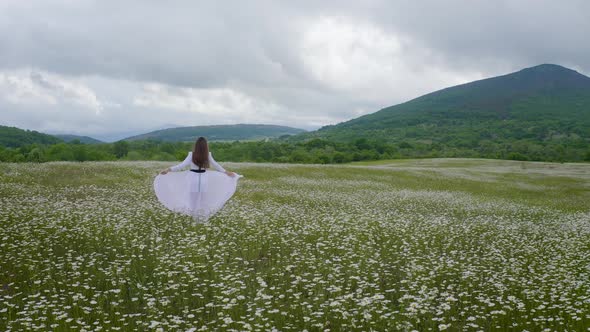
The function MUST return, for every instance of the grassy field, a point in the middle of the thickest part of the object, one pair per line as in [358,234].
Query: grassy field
[425,245]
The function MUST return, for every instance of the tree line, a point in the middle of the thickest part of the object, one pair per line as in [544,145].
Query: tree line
[316,150]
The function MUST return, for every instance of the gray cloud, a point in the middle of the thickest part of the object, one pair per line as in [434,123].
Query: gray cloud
[184,43]
[82,66]
[478,34]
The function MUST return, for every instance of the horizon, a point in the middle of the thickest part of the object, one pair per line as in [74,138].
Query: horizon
[113,137]
[318,128]
[299,65]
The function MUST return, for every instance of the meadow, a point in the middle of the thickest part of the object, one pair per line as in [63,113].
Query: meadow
[410,245]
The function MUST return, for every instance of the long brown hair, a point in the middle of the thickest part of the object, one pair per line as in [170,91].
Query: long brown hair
[201,153]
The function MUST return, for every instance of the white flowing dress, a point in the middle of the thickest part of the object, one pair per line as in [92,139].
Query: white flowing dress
[199,195]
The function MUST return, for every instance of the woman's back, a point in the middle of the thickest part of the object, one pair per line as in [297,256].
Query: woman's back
[188,162]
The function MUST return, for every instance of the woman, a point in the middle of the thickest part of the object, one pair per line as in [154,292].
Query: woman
[200,192]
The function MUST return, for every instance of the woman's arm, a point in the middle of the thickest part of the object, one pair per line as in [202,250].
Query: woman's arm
[186,162]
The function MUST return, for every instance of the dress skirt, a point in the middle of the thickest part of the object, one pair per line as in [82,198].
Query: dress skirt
[199,195]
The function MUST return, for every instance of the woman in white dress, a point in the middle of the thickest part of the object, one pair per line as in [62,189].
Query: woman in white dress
[199,192]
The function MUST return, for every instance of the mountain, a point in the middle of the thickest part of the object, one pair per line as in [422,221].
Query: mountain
[238,132]
[540,105]
[121,135]
[13,137]
[82,139]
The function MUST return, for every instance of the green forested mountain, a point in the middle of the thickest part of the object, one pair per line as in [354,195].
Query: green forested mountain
[13,137]
[526,112]
[239,132]
[81,139]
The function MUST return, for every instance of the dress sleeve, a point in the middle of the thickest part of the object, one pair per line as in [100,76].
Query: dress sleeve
[186,162]
[215,165]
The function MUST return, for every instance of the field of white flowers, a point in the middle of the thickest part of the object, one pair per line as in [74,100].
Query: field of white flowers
[431,245]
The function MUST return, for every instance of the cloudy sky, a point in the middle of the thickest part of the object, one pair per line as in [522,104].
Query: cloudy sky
[109,69]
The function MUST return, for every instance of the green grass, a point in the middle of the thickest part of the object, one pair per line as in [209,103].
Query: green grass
[561,186]
[428,245]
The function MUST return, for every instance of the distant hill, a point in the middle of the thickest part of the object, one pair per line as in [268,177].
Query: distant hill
[82,139]
[544,105]
[13,137]
[238,132]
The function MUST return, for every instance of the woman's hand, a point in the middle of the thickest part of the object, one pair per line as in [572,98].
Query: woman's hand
[232,174]
[165,171]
